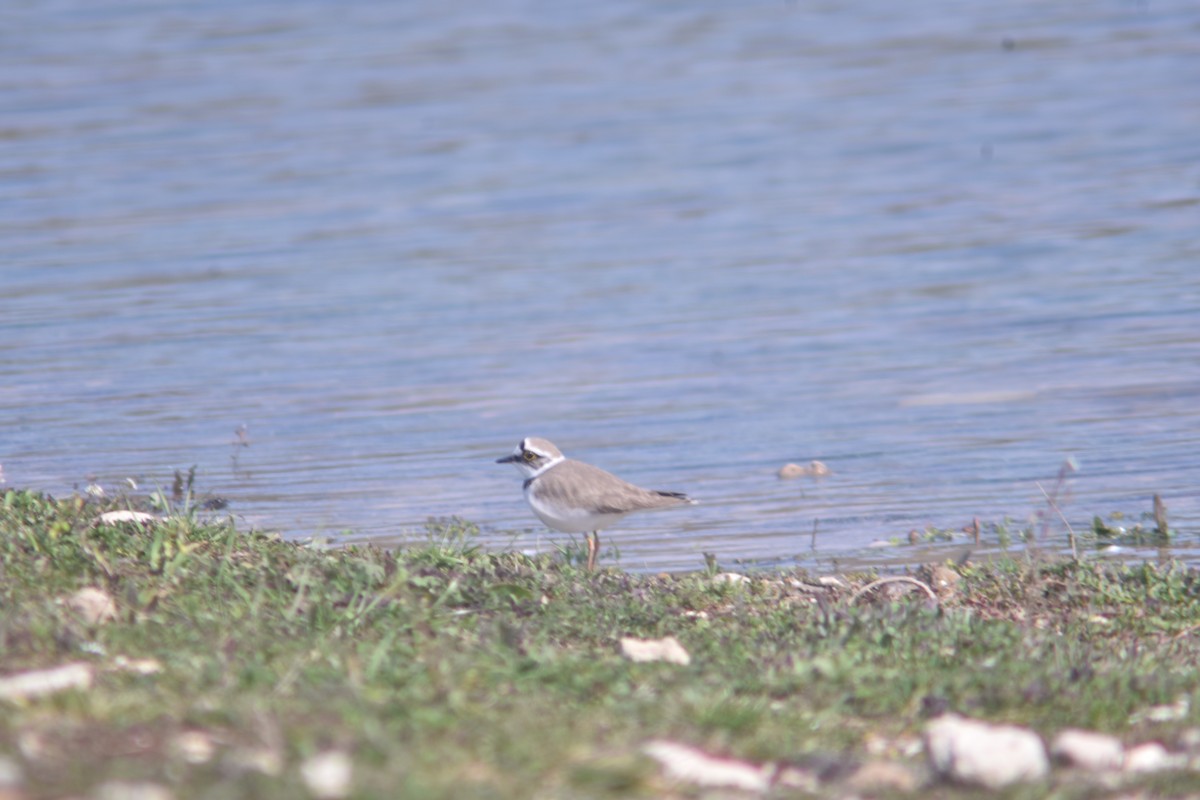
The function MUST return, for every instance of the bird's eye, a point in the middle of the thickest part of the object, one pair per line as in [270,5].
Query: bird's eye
[529,455]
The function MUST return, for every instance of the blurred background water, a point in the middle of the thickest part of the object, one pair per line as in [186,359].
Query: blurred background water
[942,248]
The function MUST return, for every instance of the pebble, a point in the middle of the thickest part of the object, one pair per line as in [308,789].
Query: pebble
[11,776]
[687,764]
[813,469]
[140,666]
[93,606]
[1177,710]
[36,683]
[1097,752]
[1190,739]
[877,777]
[642,650]
[979,753]
[264,760]
[130,790]
[195,747]
[942,579]
[328,775]
[114,517]
[1149,757]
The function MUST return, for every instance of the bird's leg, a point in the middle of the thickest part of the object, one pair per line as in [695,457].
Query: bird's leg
[593,541]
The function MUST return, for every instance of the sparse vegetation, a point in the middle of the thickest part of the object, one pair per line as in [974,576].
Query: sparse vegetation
[443,670]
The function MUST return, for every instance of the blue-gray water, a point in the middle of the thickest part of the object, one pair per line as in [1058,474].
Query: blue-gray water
[941,248]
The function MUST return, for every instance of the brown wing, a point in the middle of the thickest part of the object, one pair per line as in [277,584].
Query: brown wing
[605,493]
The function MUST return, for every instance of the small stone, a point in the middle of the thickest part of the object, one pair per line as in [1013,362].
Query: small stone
[883,747]
[11,776]
[732,578]
[986,755]
[944,580]
[36,683]
[113,517]
[687,764]
[264,760]
[644,650]
[790,777]
[1190,739]
[195,747]
[93,606]
[141,666]
[1177,710]
[328,775]
[876,777]
[789,471]
[32,745]
[1097,752]
[814,469]
[131,790]
[1150,757]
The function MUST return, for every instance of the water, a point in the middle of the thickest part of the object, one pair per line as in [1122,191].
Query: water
[942,249]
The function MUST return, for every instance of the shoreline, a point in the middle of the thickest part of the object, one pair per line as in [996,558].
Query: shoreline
[201,660]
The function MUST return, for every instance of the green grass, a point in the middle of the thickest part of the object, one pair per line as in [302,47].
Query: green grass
[447,671]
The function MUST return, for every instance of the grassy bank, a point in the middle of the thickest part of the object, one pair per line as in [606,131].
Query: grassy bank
[232,658]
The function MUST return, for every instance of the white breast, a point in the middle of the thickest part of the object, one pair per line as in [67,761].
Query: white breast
[566,519]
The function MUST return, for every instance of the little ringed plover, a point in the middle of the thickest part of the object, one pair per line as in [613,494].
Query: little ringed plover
[575,497]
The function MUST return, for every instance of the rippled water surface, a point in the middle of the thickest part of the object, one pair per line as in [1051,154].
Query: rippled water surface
[941,248]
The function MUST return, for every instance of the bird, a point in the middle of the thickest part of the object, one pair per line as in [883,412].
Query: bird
[576,497]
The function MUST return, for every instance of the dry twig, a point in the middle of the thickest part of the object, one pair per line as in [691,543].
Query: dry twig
[893,579]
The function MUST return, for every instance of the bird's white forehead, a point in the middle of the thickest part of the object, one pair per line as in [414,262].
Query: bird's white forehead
[541,447]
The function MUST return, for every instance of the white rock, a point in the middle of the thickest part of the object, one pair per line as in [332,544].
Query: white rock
[687,764]
[732,578]
[128,790]
[1088,750]
[880,777]
[140,666]
[195,747]
[788,777]
[813,469]
[1177,710]
[40,682]
[328,775]
[668,649]
[93,606]
[987,755]
[265,760]
[1190,739]
[113,517]
[1150,757]
[11,776]
[32,745]
[790,470]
